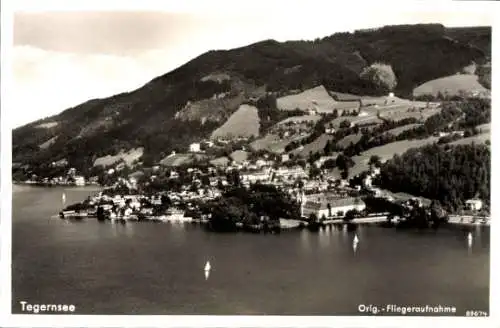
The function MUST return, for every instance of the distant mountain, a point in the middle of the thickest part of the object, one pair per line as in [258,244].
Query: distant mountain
[192,101]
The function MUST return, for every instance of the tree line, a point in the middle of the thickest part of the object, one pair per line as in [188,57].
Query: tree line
[260,204]
[449,174]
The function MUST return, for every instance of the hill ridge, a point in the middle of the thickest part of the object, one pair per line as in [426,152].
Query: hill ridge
[146,117]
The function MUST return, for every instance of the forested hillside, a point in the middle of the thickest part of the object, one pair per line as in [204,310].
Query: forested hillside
[185,105]
[450,174]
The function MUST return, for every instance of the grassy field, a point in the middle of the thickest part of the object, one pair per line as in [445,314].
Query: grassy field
[216,77]
[384,101]
[315,146]
[347,140]
[339,96]
[451,84]
[272,143]
[180,159]
[299,119]
[239,156]
[220,161]
[47,125]
[402,196]
[477,139]
[395,112]
[316,97]
[244,122]
[48,143]
[386,152]
[397,131]
[483,128]
[404,114]
[128,157]
[355,120]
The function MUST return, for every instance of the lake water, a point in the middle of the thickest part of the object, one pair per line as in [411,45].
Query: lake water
[157,268]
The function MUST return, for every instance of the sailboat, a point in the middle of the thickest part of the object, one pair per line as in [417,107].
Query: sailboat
[469,238]
[207,269]
[355,243]
[355,240]
[64,198]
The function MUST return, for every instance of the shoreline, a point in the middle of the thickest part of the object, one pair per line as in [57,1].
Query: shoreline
[257,229]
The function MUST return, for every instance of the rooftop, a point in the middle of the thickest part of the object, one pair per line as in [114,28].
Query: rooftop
[333,201]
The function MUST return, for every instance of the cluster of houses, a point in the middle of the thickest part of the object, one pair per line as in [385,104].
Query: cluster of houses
[70,179]
[329,205]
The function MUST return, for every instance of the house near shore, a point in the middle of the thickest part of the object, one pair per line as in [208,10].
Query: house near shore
[327,207]
[195,147]
[474,204]
[79,181]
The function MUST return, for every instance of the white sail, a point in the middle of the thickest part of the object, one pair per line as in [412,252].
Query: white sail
[64,198]
[207,270]
[356,240]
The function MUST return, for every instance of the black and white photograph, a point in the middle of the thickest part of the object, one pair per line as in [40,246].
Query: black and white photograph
[257,161]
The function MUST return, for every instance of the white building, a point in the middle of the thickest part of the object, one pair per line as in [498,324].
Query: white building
[323,159]
[474,204]
[312,111]
[259,176]
[79,180]
[328,207]
[375,171]
[133,182]
[368,181]
[293,172]
[195,147]
[330,130]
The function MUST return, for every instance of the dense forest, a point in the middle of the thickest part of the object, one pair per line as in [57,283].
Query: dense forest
[246,207]
[449,174]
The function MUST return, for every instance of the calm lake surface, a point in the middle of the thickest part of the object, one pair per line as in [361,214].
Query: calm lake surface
[157,268]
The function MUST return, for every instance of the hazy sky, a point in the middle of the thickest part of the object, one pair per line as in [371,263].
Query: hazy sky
[61,59]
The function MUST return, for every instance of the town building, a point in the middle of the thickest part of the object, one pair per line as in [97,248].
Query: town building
[375,171]
[258,176]
[327,207]
[133,183]
[195,147]
[367,182]
[79,180]
[319,163]
[474,204]
[330,130]
[312,111]
[293,172]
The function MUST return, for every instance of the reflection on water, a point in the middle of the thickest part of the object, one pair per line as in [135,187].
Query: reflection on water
[305,238]
[324,237]
[355,247]
[156,268]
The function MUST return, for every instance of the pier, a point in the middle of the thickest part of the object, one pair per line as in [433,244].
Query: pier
[368,219]
[469,220]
